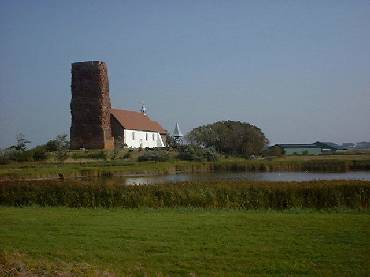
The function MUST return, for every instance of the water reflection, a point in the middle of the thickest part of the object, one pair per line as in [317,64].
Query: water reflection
[241,176]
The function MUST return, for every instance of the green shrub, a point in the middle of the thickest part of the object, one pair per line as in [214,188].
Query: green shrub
[11,154]
[196,153]
[273,151]
[52,145]
[4,157]
[127,155]
[39,154]
[157,156]
[36,154]
[86,154]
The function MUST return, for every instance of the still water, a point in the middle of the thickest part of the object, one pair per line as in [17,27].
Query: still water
[241,176]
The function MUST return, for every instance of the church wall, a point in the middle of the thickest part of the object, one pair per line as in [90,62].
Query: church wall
[164,139]
[118,132]
[136,139]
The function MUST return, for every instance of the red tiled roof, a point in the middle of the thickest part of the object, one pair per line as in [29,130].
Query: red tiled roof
[136,121]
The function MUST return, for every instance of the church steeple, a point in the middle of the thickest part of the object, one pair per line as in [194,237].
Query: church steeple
[177,132]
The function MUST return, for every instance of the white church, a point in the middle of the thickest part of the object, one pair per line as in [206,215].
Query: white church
[136,129]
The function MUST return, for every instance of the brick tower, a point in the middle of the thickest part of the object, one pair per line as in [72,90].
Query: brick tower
[90,106]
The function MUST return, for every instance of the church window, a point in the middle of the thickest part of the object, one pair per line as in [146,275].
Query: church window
[146,136]
[153,136]
[133,135]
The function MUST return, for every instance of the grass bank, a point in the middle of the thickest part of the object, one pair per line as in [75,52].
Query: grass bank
[332,163]
[177,242]
[216,194]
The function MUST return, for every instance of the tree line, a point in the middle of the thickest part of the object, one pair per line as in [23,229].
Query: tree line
[19,152]
[204,143]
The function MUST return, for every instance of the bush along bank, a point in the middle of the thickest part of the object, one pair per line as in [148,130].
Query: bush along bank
[238,195]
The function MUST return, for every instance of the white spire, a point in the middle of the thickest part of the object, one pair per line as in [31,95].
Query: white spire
[143,109]
[177,132]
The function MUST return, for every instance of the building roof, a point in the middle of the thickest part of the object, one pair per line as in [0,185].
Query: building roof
[317,144]
[136,121]
[298,145]
[330,145]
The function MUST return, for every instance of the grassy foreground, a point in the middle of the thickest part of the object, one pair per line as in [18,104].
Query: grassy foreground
[118,242]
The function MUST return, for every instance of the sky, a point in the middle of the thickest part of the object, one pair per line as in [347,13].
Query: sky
[299,70]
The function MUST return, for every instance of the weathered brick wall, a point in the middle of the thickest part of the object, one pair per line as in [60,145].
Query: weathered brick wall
[90,106]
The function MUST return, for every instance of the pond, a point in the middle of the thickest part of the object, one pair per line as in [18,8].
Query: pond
[231,176]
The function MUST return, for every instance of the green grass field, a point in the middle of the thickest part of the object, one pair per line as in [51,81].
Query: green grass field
[184,241]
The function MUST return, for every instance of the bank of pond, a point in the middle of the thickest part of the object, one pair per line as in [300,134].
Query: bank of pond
[324,194]
[16,171]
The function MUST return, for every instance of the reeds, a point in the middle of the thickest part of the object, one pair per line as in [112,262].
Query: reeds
[239,195]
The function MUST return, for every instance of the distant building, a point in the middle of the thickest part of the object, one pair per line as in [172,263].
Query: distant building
[300,149]
[311,148]
[348,145]
[95,125]
[330,147]
[363,145]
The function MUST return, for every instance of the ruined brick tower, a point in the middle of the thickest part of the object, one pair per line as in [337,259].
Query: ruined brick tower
[90,106]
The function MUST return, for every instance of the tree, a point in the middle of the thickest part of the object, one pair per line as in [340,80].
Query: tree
[21,142]
[229,137]
[52,145]
[170,141]
[62,146]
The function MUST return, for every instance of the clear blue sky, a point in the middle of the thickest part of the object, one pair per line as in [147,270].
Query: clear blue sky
[299,70]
